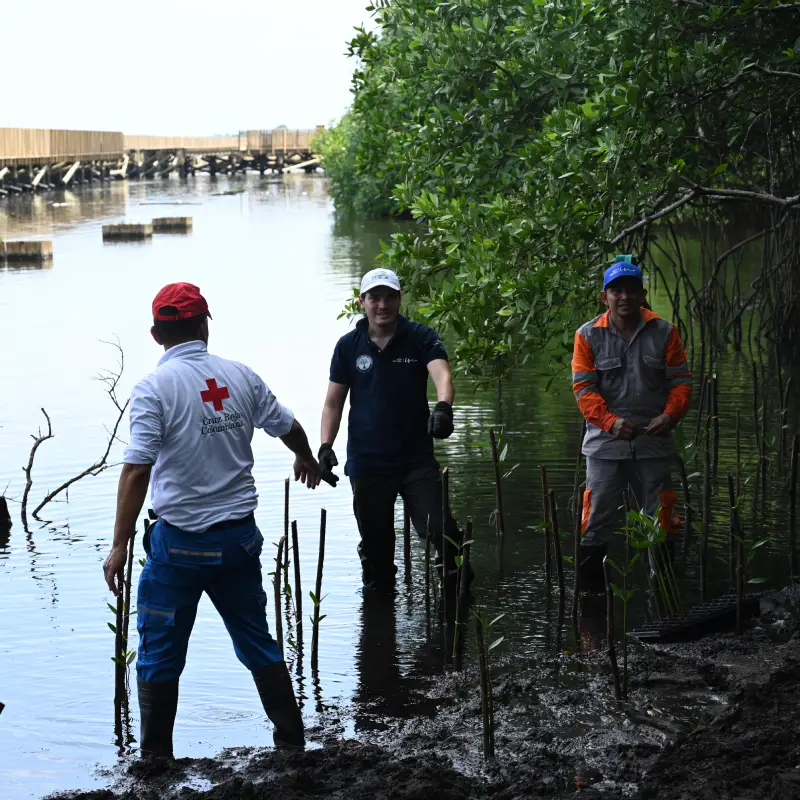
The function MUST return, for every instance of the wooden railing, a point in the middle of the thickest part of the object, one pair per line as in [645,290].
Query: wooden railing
[280,139]
[34,143]
[37,145]
[194,143]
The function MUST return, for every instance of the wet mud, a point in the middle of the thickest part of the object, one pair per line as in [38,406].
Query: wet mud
[716,718]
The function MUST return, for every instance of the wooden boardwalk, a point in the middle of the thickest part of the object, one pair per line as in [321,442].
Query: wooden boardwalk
[33,159]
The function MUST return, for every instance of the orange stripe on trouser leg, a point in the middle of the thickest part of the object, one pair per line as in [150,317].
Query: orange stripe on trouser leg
[587,508]
[668,517]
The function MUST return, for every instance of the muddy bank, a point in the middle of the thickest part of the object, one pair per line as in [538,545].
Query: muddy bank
[711,719]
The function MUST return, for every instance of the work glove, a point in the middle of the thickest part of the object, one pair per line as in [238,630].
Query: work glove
[327,461]
[440,422]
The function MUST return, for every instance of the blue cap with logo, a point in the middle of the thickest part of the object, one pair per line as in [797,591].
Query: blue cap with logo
[622,268]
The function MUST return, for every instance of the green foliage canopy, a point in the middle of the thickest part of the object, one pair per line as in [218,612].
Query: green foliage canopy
[533,140]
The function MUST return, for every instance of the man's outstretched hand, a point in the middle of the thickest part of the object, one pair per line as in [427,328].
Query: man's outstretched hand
[307,471]
[440,422]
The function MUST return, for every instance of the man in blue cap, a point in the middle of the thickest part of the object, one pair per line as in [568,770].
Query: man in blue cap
[633,385]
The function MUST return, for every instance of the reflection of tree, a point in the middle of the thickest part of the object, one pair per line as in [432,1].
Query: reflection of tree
[30,214]
[356,244]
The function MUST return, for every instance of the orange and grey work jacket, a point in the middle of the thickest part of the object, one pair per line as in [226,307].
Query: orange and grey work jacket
[636,380]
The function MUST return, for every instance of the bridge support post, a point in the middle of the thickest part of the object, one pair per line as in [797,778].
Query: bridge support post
[182,172]
[212,166]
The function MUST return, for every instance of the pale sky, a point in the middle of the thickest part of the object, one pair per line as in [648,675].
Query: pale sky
[176,67]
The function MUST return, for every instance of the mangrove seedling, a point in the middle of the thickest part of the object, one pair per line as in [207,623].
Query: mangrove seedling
[645,532]
[482,634]
[459,559]
[624,593]
[316,596]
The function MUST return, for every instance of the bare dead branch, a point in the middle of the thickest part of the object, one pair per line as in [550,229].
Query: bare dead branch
[657,215]
[111,379]
[37,440]
[742,194]
[778,73]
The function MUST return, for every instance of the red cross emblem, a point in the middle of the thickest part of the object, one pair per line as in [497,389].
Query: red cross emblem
[215,394]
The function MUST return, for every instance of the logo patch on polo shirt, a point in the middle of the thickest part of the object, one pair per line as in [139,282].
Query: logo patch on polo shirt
[364,363]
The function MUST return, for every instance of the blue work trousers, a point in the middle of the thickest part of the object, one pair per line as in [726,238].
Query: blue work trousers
[180,567]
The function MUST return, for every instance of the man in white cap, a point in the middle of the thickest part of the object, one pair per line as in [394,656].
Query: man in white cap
[384,364]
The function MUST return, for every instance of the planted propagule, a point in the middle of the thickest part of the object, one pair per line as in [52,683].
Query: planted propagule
[498,489]
[612,650]
[487,700]
[706,511]
[445,508]
[556,541]
[298,589]
[127,609]
[407,542]
[793,506]
[547,525]
[276,583]
[576,551]
[428,568]
[462,565]
[286,531]
[317,595]
[734,527]
[739,582]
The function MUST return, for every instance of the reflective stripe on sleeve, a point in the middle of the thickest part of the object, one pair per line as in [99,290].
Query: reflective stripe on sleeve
[578,377]
[672,371]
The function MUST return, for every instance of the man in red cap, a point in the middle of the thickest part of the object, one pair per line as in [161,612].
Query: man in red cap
[192,422]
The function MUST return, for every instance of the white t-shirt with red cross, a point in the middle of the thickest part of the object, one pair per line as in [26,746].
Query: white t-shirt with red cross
[193,419]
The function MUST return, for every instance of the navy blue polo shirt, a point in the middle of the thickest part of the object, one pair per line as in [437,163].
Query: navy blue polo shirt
[388,423]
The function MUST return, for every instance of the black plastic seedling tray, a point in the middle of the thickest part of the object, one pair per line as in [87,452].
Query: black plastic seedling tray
[715,616]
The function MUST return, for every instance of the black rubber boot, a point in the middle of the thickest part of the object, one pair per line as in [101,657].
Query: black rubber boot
[277,696]
[372,578]
[590,568]
[158,704]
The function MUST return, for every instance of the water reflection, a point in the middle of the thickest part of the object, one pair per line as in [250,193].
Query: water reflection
[384,691]
[30,214]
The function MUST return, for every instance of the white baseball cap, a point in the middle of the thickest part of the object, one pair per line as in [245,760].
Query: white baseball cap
[379,277]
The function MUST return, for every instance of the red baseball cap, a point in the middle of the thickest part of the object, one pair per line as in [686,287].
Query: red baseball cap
[185,297]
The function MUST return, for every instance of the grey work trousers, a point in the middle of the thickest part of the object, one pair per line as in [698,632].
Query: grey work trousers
[604,498]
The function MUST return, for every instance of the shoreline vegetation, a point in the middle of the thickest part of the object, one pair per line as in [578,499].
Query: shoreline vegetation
[534,141]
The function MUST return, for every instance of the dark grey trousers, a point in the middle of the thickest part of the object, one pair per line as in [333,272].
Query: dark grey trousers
[374,497]
[604,499]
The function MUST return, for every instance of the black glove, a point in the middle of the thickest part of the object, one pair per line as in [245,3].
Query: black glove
[327,458]
[440,422]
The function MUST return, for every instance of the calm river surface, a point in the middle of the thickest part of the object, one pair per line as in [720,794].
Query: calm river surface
[277,269]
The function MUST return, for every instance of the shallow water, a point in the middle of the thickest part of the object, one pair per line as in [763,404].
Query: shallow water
[277,269]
